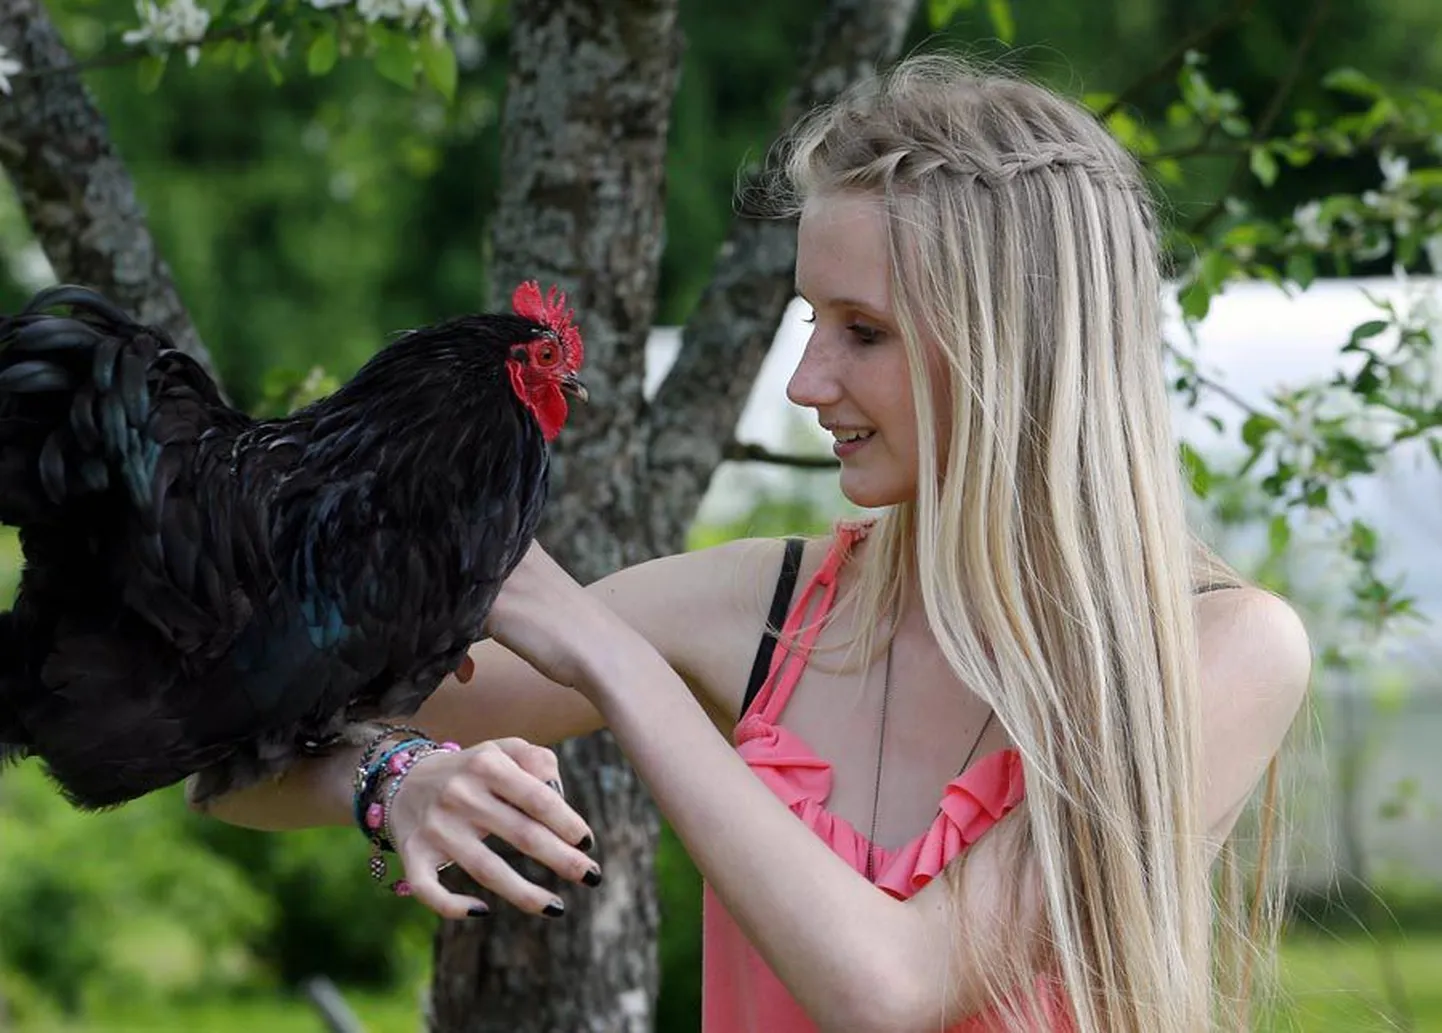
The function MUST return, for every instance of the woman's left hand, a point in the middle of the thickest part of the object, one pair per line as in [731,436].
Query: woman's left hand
[546,618]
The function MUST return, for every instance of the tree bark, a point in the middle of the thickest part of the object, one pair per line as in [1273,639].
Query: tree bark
[76,192]
[581,205]
[584,130]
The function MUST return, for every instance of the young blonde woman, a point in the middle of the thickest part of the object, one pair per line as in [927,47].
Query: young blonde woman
[979,778]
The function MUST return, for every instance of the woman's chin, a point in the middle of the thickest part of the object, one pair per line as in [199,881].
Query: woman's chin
[873,492]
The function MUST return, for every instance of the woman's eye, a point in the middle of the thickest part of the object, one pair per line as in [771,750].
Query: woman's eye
[865,334]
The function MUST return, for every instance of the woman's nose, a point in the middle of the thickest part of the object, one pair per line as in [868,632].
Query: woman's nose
[813,384]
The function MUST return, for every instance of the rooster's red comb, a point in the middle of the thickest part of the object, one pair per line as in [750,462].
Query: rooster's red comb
[551,312]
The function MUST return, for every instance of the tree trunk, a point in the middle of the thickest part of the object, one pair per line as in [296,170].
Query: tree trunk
[76,192]
[584,148]
[584,129]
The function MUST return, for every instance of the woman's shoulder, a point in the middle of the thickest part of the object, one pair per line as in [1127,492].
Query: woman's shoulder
[1256,626]
[732,579]
[705,609]
[1256,663]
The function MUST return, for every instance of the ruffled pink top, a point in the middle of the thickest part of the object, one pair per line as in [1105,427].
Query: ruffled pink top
[740,993]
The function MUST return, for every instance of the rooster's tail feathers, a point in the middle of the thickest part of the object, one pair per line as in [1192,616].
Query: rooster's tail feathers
[74,396]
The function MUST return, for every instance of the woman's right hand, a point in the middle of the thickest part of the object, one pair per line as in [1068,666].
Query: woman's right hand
[451,802]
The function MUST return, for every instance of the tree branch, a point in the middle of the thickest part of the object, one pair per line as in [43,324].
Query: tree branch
[1216,387]
[727,337]
[130,54]
[1169,64]
[77,195]
[1270,114]
[746,452]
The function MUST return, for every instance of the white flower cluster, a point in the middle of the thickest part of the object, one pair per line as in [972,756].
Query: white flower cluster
[411,14]
[1419,353]
[1396,202]
[1308,218]
[1343,411]
[408,12]
[8,67]
[173,21]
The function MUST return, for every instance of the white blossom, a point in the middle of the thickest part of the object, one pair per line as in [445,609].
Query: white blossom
[175,21]
[8,67]
[1308,218]
[1374,425]
[1419,312]
[1348,413]
[408,12]
[1394,169]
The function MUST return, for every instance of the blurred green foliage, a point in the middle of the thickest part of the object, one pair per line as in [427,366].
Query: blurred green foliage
[308,220]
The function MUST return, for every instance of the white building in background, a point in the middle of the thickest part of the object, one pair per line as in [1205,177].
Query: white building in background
[1255,340]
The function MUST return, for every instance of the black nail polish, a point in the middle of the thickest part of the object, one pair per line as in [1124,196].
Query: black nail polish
[477,912]
[555,909]
[592,877]
[586,843]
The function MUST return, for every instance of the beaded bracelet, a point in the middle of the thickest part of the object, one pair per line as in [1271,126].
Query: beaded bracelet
[365,771]
[379,783]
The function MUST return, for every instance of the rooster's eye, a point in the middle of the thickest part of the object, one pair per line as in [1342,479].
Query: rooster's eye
[546,354]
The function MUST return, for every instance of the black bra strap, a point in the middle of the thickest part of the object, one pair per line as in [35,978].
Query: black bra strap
[780,605]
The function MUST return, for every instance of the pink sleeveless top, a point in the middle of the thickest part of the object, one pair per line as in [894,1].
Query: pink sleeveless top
[740,993]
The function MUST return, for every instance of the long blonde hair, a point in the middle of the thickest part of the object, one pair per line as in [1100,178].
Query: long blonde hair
[1048,540]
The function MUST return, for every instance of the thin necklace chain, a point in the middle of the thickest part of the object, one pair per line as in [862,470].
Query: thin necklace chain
[880,749]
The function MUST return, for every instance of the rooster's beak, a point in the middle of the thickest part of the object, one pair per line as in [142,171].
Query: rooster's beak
[573,386]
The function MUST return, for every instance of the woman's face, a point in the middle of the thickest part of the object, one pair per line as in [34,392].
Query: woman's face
[854,371]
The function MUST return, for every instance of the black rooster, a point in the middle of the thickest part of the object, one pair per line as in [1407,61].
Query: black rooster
[208,593]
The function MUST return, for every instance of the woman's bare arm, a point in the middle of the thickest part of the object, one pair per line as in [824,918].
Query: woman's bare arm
[702,611]
[853,957]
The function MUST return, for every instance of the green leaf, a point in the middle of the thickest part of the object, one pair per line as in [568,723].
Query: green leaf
[249,10]
[1196,300]
[1002,20]
[1179,116]
[1349,80]
[1302,269]
[1197,470]
[1279,534]
[395,59]
[1363,541]
[322,54]
[151,70]
[940,12]
[439,62]
[1371,328]
[1264,165]
[1256,428]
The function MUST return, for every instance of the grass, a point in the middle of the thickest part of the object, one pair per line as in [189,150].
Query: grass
[1330,986]
[1336,984]
[393,1013]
